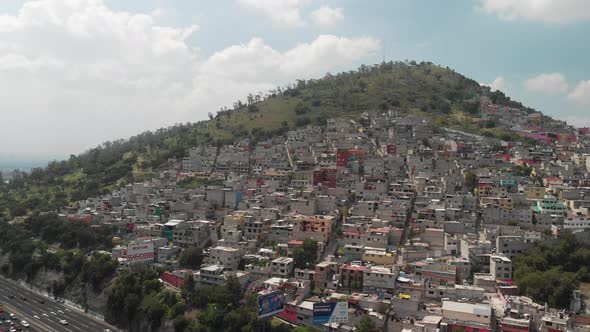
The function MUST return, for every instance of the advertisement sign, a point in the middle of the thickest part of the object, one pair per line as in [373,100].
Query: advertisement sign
[140,253]
[334,312]
[270,304]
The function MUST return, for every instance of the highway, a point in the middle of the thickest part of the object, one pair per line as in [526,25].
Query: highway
[48,311]
[7,322]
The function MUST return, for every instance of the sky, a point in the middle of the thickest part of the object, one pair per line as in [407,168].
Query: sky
[76,73]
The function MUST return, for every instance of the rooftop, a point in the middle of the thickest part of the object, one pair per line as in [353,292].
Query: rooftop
[474,309]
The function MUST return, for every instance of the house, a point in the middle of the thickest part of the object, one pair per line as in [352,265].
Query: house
[351,276]
[227,257]
[466,316]
[282,267]
[501,267]
[379,278]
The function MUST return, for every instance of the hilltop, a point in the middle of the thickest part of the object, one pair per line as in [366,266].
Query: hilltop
[447,97]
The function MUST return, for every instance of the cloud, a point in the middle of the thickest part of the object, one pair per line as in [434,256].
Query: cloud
[76,73]
[498,84]
[581,93]
[547,11]
[551,84]
[255,63]
[327,16]
[281,12]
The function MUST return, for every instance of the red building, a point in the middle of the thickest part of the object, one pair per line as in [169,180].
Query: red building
[351,276]
[391,149]
[342,157]
[326,177]
[176,280]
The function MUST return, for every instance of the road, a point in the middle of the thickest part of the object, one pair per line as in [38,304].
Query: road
[6,321]
[49,312]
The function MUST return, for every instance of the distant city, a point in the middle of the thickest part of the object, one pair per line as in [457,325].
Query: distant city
[7,167]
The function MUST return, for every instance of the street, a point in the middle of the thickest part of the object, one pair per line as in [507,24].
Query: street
[48,311]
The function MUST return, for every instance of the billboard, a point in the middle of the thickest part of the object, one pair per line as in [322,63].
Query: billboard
[270,304]
[333,312]
[140,252]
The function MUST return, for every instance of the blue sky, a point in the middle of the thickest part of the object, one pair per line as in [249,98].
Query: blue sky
[79,72]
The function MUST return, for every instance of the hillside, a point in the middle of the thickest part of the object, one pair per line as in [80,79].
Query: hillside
[451,99]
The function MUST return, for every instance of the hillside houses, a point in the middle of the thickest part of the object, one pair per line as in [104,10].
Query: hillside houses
[415,225]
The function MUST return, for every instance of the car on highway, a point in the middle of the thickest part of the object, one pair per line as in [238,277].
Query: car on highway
[41,301]
[63,322]
[22,297]
[61,312]
[24,323]
[44,314]
[10,296]
[36,317]
[1,310]
[53,313]
[12,316]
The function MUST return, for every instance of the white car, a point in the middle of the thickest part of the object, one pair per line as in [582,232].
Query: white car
[53,313]
[36,317]
[24,323]
[44,314]
[63,322]
[61,312]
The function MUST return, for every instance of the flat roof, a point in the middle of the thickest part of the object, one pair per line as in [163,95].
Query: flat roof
[475,309]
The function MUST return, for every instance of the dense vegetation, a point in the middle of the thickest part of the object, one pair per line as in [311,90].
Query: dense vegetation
[551,273]
[48,242]
[140,297]
[449,98]
[306,255]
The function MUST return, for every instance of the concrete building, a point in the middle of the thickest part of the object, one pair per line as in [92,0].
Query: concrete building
[501,267]
[227,257]
[192,234]
[379,278]
[282,267]
[466,316]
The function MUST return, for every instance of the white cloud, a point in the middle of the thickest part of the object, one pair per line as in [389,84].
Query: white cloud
[281,12]
[581,93]
[547,83]
[498,84]
[76,73]
[548,11]
[327,16]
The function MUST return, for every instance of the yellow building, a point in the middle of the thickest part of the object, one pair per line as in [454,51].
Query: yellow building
[534,192]
[501,202]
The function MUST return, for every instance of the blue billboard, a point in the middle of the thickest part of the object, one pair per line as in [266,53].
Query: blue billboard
[332,312]
[270,304]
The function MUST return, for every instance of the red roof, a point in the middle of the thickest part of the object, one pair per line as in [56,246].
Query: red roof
[295,242]
[354,267]
[351,233]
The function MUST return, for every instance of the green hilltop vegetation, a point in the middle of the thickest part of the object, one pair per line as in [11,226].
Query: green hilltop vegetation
[449,98]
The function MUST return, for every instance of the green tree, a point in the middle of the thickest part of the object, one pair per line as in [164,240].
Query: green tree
[470,181]
[191,258]
[306,254]
[367,325]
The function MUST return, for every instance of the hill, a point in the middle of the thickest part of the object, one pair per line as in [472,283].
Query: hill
[449,98]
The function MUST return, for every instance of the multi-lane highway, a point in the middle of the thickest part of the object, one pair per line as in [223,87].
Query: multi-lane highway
[43,313]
